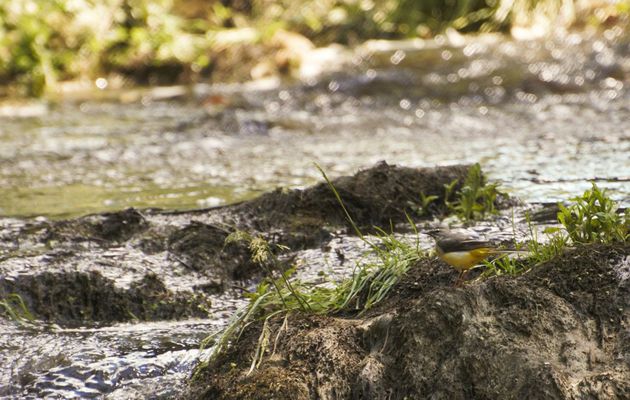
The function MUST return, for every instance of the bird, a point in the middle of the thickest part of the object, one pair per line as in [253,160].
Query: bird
[462,251]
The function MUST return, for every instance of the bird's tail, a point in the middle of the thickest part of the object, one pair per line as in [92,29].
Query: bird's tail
[509,251]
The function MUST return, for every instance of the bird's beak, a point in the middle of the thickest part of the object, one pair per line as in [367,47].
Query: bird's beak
[434,232]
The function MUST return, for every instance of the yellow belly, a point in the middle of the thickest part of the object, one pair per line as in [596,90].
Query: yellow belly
[463,260]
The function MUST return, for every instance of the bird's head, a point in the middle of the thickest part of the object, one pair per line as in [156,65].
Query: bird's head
[436,232]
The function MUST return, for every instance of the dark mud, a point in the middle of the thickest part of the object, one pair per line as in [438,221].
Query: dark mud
[77,298]
[152,265]
[202,247]
[318,358]
[106,228]
[558,332]
[378,196]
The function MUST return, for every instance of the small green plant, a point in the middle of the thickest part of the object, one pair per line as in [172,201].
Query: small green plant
[475,199]
[15,308]
[425,203]
[449,190]
[263,255]
[477,196]
[593,218]
[503,265]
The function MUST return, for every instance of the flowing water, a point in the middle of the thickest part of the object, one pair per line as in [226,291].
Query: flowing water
[545,118]
[130,360]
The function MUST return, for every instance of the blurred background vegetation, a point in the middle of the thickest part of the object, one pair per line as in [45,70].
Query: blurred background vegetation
[44,42]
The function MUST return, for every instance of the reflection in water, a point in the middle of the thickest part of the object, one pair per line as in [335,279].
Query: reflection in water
[75,199]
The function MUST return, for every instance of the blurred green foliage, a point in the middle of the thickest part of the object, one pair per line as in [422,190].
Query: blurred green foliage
[159,41]
[347,21]
[43,41]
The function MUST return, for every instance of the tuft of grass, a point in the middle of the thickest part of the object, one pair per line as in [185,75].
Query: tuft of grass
[15,308]
[556,242]
[504,265]
[369,284]
[395,258]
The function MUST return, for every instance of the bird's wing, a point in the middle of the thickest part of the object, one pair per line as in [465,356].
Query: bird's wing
[461,243]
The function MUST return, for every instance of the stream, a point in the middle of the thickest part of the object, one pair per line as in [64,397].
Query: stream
[543,118]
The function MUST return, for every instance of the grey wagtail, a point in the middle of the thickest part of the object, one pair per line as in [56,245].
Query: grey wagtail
[461,251]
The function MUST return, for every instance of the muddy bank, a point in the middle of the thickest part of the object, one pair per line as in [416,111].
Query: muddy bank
[149,264]
[378,196]
[106,228]
[78,298]
[560,331]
